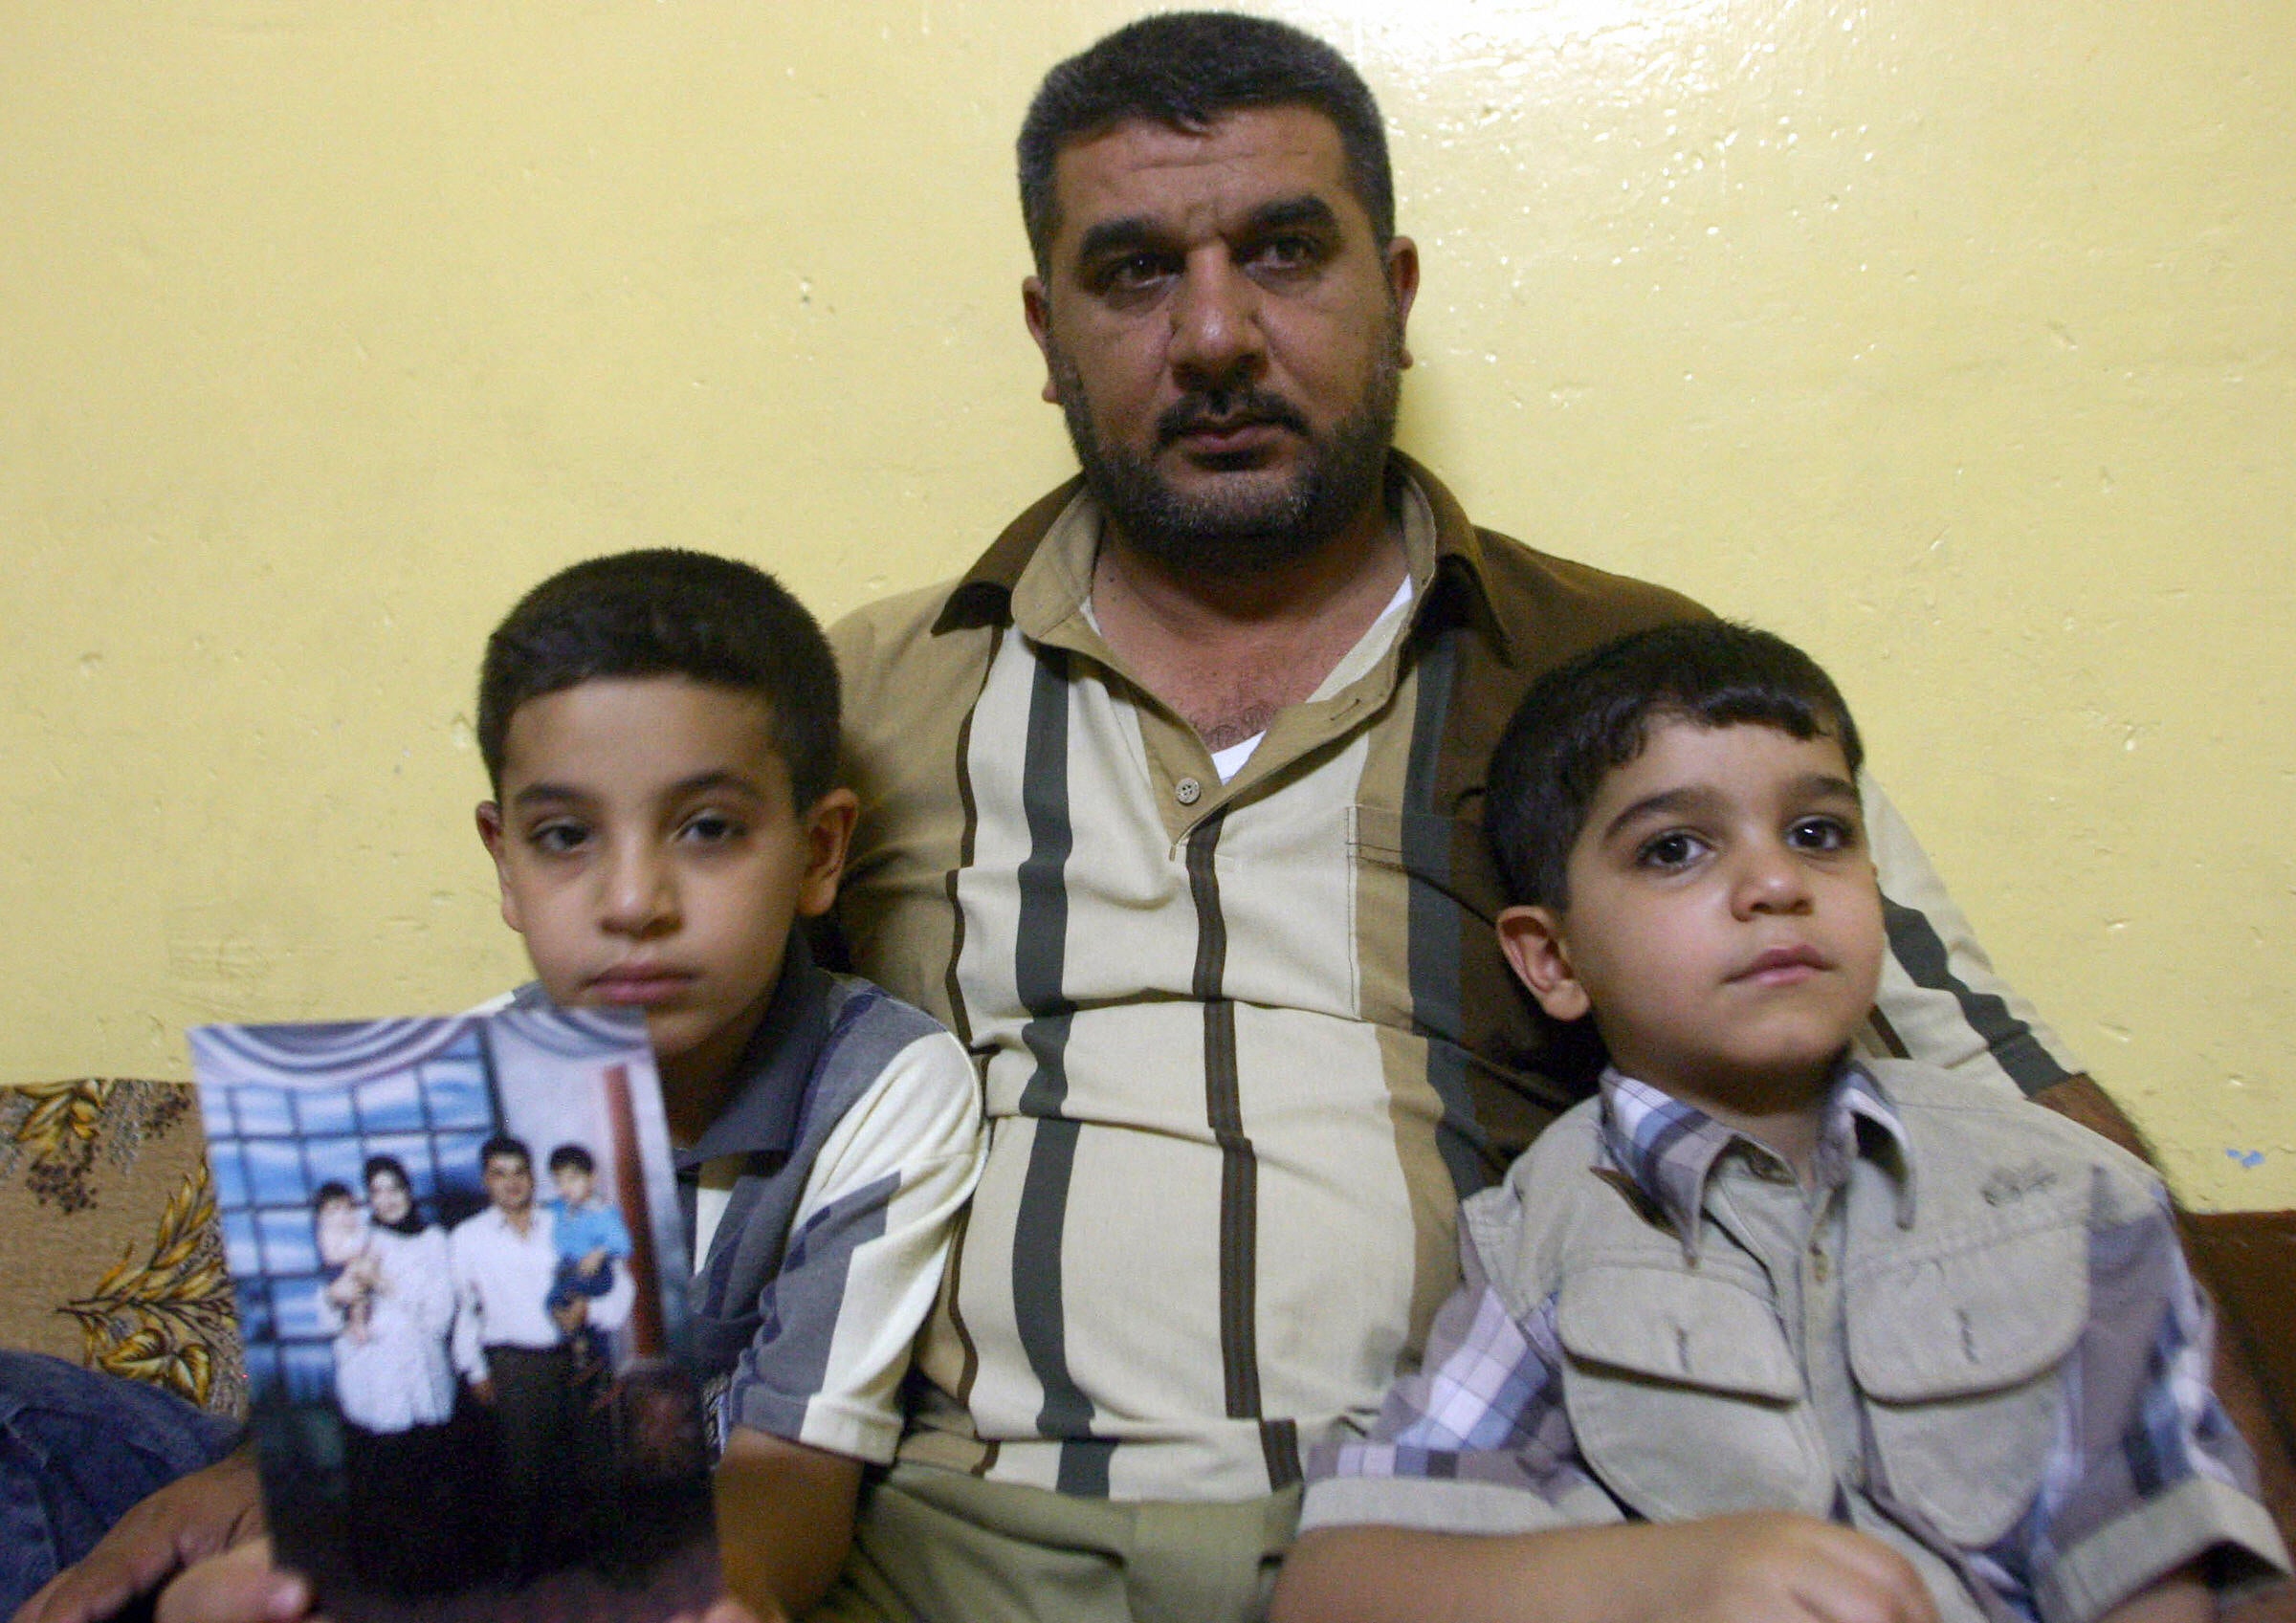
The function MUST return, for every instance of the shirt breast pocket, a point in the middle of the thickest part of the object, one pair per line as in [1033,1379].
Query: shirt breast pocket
[1959,1350]
[1684,1396]
[1419,876]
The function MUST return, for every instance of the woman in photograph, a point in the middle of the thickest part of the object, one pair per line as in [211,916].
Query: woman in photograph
[390,1320]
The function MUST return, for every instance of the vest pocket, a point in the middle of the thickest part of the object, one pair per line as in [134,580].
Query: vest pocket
[1683,1395]
[1957,1352]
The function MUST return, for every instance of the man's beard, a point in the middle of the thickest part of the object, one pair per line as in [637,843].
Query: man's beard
[1242,533]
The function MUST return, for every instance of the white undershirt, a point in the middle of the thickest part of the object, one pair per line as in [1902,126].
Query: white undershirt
[1235,757]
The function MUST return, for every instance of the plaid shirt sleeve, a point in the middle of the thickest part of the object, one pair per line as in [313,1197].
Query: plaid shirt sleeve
[1477,1441]
[2148,1472]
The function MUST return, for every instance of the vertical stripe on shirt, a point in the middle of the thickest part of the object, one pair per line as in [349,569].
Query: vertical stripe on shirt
[1435,920]
[1239,1164]
[1921,951]
[1040,950]
[960,1022]
[968,833]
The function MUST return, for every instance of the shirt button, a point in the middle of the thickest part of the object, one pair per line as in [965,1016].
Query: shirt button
[1187,791]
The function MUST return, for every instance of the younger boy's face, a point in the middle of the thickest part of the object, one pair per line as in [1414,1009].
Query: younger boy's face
[573,1185]
[1724,924]
[649,851]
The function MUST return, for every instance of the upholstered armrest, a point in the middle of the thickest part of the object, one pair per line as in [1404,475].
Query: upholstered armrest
[113,1260]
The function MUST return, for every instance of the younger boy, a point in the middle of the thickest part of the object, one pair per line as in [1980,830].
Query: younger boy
[591,1238]
[1767,1330]
[661,731]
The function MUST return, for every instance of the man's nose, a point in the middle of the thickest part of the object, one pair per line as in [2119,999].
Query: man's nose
[1216,336]
[640,897]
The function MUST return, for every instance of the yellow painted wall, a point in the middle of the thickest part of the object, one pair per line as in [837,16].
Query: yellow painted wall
[1952,337]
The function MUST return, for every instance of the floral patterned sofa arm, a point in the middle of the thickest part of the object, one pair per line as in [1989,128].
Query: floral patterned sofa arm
[113,1257]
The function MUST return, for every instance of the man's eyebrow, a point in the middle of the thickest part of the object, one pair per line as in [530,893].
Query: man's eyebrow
[1125,235]
[1131,232]
[1286,213]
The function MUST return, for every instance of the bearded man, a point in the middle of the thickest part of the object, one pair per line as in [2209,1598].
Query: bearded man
[1171,809]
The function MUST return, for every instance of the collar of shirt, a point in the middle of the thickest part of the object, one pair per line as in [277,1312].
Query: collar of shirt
[1454,591]
[1667,1149]
[767,1106]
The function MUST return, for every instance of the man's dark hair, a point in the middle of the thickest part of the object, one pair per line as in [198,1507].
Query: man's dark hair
[667,612]
[1585,719]
[503,1144]
[1187,69]
[572,1155]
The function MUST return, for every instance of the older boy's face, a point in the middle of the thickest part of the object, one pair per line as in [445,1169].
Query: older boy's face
[1724,922]
[650,853]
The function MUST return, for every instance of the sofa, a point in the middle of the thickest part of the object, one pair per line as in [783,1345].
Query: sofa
[115,1259]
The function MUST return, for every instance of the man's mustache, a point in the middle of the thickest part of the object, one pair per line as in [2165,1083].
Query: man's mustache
[1227,408]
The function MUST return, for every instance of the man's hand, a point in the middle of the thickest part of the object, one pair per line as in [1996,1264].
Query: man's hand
[572,1316]
[190,1519]
[240,1585]
[483,1390]
[1769,1567]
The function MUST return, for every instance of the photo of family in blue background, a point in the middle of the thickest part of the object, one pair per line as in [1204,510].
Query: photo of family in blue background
[466,1381]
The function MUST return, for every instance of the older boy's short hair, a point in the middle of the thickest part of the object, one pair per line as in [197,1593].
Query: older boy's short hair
[1583,720]
[1186,68]
[669,612]
[572,1155]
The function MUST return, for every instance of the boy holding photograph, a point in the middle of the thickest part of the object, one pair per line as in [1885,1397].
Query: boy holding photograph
[1768,1331]
[661,728]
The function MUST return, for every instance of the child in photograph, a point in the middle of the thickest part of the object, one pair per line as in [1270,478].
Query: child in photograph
[346,1265]
[1768,1331]
[591,1239]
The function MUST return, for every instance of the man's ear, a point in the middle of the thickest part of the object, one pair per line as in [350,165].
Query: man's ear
[829,837]
[1036,309]
[1402,285]
[1536,951]
[490,832]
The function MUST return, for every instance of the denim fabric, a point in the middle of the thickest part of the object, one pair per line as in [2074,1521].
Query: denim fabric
[76,1449]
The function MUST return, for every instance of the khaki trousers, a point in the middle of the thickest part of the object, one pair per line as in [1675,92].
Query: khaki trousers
[940,1547]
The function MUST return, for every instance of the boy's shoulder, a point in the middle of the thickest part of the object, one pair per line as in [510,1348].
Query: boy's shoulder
[869,1028]
[1549,1206]
[1976,1147]
[861,1048]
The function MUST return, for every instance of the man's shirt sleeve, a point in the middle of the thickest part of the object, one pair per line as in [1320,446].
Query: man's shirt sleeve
[867,1244]
[2148,1472]
[1941,1001]
[1476,1442]
[470,1355]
